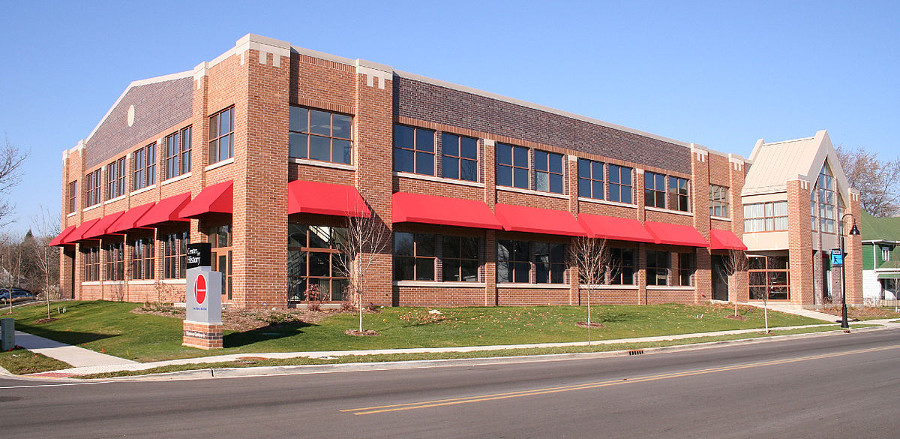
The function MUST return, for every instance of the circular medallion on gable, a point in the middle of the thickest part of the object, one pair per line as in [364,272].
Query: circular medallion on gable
[131,115]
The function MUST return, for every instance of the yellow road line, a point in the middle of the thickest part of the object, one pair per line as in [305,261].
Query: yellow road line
[595,385]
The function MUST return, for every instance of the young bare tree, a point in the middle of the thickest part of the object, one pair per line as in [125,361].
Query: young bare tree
[876,180]
[595,264]
[44,257]
[12,263]
[735,262]
[366,237]
[11,159]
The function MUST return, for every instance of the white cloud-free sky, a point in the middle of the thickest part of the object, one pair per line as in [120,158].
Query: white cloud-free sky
[721,74]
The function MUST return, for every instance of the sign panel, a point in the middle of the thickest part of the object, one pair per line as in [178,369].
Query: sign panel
[203,298]
[199,255]
[837,257]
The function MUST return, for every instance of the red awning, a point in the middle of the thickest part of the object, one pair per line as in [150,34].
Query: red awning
[78,234]
[431,209]
[129,220]
[610,227]
[674,234]
[326,199]
[534,220]
[725,240]
[61,238]
[212,199]
[102,226]
[165,210]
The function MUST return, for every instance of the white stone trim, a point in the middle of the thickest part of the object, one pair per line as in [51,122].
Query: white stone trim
[174,179]
[91,283]
[676,212]
[437,284]
[174,281]
[534,286]
[609,287]
[670,287]
[114,282]
[532,192]
[142,282]
[439,179]
[120,197]
[143,189]
[69,215]
[90,208]
[720,218]
[219,164]
[322,164]
[611,203]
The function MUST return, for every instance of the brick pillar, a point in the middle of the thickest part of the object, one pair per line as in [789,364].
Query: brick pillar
[572,183]
[800,243]
[700,196]
[738,285]
[489,177]
[373,151]
[640,271]
[853,248]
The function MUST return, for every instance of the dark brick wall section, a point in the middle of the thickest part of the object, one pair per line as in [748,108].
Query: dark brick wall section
[157,107]
[433,103]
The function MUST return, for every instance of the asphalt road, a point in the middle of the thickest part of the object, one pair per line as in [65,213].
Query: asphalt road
[840,385]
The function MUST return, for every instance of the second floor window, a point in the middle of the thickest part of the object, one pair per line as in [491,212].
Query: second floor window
[460,157]
[654,190]
[177,159]
[766,217]
[221,135]
[620,184]
[590,179]
[72,196]
[679,195]
[413,150]
[320,135]
[144,169]
[548,173]
[718,201]
[92,188]
[512,166]
[115,179]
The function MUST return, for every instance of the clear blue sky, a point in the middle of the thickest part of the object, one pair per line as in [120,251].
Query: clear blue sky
[721,74]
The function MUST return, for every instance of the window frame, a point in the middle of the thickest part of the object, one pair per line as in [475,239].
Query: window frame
[175,254]
[304,252]
[418,256]
[679,194]
[457,159]
[296,148]
[653,191]
[687,269]
[144,167]
[627,266]
[768,219]
[616,186]
[718,199]
[447,262]
[217,136]
[587,178]
[90,257]
[659,267]
[92,188]
[542,166]
[221,242]
[143,258]
[514,165]
[423,155]
[115,260]
[72,196]
[517,259]
[769,273]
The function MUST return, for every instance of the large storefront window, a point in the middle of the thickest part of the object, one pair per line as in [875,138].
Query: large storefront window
[769,275]
[415,256]
[142,258]
[658,268]
[220,241]
[460,258]
[517,260]
[115,260]
[622,266]
[91,261]
[827,202]
[317,270]
[175,254]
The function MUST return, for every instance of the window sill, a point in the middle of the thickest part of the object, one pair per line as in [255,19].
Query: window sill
[609,287]
[537,286]
[436,284]
[323,164]
[720,218]
[174,179]
[90,283]
[114,282]
[143,189]
[69,215]
[119,198]
[676,212]
[532,192]
[174,281]
[438,179]
[90,208]
[611,203]
[142,282]
[670,287]
[219,164]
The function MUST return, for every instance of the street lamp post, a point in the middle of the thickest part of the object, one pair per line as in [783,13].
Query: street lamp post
[853,231]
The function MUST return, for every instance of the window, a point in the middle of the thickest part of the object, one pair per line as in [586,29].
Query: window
[686,267]
[512,166]
[548,175]
[315,262]
[414,256]
[177,160]
[516,260]
[718,201]
[220,241]
[115,179]
[459,258]
[654,190]
[72,196]
[620,184]
[769,275]
[657,268]
[765,217]
[175,255]
[413,150]
[678,194]
[320,135]
[813,208]
[460,157]
[221,135]
[590,179]
[142,259]
[92,188]
[91,261]
[115,260]
[885,254]
[144,167]
[827,202]
[622,266]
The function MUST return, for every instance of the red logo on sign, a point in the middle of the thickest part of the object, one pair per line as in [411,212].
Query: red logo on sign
[200,289]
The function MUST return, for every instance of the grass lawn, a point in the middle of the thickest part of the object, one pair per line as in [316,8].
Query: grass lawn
[22,361]
[110,327]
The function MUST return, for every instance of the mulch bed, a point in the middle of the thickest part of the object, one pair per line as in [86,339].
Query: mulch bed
[585,325]
[365,333]
[245,320]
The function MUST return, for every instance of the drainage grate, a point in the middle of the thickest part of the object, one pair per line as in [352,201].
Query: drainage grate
[636,352]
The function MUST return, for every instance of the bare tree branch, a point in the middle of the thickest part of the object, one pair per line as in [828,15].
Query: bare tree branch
[366,238]
[875,179]
[11,159]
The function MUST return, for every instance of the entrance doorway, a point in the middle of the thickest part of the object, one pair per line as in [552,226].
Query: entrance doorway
[719,278]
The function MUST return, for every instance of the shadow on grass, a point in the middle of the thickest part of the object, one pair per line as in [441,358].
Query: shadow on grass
[67,337]
[271,332]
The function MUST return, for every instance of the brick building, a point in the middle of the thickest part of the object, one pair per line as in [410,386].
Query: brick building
[267,150]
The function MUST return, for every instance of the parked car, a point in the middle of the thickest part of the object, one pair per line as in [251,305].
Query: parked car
[16,293]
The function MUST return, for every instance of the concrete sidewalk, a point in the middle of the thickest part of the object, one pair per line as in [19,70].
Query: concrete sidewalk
[74,355]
